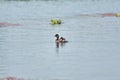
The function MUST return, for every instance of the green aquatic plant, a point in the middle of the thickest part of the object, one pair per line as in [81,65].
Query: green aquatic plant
[117,15]
[53,22]
[58,21]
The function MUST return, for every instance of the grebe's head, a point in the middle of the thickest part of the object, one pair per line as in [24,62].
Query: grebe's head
[56,35]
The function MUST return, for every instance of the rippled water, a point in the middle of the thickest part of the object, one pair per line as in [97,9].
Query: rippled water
[27,43]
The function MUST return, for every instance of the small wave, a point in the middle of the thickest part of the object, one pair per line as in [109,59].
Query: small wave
[8,24]
[98,15]
[58,0]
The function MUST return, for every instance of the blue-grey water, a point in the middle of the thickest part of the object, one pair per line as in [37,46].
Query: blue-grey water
[29,51]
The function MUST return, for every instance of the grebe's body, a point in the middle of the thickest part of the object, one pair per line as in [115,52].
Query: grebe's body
[60,40]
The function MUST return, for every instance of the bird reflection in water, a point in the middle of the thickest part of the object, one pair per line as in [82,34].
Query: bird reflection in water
[59,44]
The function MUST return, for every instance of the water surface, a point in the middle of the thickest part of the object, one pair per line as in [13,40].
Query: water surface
[28,50]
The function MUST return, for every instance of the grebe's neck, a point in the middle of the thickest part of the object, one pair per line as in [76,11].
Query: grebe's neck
[57,38]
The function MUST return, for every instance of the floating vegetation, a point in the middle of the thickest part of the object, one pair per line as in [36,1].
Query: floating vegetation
[53,22]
